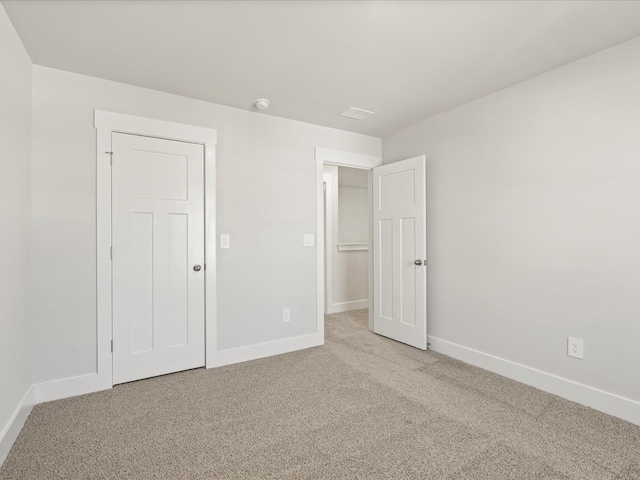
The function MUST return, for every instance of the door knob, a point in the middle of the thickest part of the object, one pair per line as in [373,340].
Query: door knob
[197,267]
[418,262]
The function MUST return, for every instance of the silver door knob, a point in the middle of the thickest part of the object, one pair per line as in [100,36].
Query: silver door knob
[418,262]
[197,267]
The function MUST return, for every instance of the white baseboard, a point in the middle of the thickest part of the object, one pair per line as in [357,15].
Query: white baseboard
[348,306]
[12,429]
[606,402]
[268,349]
[66,387]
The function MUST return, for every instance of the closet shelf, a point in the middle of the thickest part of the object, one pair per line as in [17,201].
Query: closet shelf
[352,247]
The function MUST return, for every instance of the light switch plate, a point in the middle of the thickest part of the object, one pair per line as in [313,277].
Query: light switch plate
[309,240]
[224,241]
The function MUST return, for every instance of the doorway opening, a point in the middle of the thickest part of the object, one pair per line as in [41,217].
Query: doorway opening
[347,222]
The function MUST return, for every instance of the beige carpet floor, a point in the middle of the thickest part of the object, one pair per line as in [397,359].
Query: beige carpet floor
[361,407]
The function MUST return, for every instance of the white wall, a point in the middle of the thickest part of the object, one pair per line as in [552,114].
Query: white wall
[353,205]
[266,202]
[533,219]
[349,204]
[15,152]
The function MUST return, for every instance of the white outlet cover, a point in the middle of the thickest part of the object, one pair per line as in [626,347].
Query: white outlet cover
[575,347]
[224,241]
[309,240]
[286,315]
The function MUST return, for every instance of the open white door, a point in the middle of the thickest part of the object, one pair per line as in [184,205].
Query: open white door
[399,251]
[158,256]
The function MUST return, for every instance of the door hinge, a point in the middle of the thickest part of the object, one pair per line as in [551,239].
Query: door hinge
[111,346]
[110,157]
[111,253]
[205,266]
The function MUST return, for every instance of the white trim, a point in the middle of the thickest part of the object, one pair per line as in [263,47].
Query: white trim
[606,402]
[123,123]
[17,420]
[320,247]
[268,349]
[210,255]
[103,258]
[66,387]
[353,247]
[371,297]
[348,306]
[106,123]
[347,159]
[330,221]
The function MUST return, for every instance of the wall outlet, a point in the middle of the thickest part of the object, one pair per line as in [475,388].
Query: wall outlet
[575,347]
[308,240]
[286,315]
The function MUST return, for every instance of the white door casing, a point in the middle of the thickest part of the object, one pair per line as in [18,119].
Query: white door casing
[399,242]
[158,237]
[328,232]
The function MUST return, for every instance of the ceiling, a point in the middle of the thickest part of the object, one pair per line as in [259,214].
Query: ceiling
[405,61]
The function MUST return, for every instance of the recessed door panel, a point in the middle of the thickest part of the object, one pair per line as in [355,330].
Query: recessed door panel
[178,291]
[141,295]
[160,175]
[408,270]
[397,190]
[385,259]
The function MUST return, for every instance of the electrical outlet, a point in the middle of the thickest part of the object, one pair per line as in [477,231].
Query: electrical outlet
[286,315]
[575,347]
[308,240]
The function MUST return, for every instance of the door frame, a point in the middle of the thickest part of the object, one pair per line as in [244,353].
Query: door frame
[339,158]
[107,123]
[327,180]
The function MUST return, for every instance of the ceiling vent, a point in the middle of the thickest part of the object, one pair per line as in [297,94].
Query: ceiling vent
[356,113]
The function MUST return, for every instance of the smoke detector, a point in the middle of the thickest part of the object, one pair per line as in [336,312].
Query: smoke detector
[356,113]
[262,103]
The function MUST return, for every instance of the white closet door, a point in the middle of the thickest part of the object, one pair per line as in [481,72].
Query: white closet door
[158,256]
[399,245]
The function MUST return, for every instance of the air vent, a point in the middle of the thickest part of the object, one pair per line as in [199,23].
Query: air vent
[356,113]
